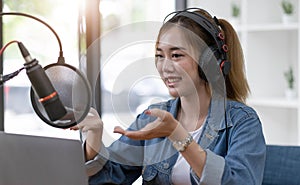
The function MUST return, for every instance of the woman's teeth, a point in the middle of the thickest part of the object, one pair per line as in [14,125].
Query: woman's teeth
[172,80]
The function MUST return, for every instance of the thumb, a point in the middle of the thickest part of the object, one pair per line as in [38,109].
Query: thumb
[161,114]
[119,130]
[93,111]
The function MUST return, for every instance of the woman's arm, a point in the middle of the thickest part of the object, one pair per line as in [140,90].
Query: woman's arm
[192,153]
[243,164]
[167,126]
[93,126]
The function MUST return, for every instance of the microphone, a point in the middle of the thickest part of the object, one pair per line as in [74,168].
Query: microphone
[42,86]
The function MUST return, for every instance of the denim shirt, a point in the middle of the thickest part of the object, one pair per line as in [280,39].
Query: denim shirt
[242,163]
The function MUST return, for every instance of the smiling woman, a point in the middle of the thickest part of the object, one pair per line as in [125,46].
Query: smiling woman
[204,133]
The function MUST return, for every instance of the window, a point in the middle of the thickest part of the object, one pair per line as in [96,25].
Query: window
[42,44]
[130,82]
[129,78]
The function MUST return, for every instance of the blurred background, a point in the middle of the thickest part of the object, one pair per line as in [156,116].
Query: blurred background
[112,43]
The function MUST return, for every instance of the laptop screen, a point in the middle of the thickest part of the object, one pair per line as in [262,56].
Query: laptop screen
[36,160]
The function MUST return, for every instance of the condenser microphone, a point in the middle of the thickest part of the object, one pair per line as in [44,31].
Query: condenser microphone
[42,86]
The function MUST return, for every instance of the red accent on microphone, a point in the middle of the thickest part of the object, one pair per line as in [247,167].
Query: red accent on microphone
[48,97]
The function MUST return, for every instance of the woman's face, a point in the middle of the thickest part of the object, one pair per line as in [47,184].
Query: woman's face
[176,65]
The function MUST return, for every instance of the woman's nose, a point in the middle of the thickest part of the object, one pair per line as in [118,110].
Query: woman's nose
[168,65]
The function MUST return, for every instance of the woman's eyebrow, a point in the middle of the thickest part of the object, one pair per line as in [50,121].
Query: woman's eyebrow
[172,48]
[177,48]
[158,49]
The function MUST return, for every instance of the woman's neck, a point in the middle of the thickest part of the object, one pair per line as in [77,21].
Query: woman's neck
[193,110]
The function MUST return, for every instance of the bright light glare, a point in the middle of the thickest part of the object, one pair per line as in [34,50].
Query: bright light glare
[108,7]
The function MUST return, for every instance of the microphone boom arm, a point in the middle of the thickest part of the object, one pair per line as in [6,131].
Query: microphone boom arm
[60,58]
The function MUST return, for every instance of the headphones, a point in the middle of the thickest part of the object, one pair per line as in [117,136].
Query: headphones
[219,50]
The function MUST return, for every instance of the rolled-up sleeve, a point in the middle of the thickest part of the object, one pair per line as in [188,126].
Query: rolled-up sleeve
[212,171]
[244,161]
[96,164]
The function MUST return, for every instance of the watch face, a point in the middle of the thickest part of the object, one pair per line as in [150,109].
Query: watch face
[181,145]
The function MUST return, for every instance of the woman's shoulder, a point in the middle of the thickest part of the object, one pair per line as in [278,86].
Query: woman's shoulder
[240,109]
[232,104]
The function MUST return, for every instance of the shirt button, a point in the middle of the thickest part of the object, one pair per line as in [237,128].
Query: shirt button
[166,165]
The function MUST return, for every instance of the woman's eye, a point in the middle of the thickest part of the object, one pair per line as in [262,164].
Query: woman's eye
[158,56]
[177,55]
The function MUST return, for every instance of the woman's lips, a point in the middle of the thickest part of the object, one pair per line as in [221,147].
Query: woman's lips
[171,81]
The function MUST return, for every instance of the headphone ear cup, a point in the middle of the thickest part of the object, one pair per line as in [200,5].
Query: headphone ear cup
[225,66]
[207,56]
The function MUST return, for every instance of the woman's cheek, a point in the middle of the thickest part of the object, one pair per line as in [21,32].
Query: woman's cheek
[159,67]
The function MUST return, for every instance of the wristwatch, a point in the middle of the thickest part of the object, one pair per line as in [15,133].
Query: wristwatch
[180,146]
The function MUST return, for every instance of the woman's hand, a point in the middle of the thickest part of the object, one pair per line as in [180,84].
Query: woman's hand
[92,125]
[92,122]
[163,126]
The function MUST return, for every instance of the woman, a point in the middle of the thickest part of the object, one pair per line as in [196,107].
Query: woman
[204,135]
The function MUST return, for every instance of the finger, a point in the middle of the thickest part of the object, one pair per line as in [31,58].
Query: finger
[137,135]
[78,126]
[119,130]
[157,113]
[93,111]
[85,128]
[74,128]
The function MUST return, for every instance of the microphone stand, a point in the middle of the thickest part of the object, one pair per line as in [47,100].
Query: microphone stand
[60,58]
[4,78]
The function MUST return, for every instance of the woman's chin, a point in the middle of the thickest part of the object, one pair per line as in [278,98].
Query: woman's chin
[173,92]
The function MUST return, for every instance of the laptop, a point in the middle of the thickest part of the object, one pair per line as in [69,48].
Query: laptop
[36,160]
